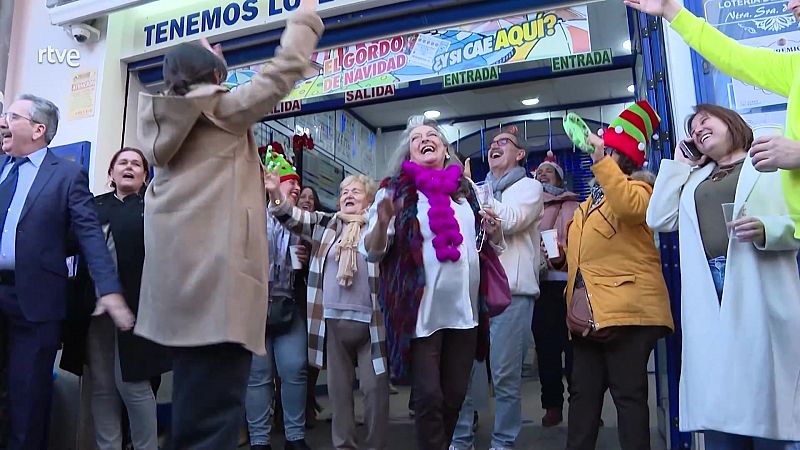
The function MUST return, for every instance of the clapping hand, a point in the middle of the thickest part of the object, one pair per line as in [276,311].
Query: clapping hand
[386,209]
[216,49]
[272,182]
[308,6]
[667,9]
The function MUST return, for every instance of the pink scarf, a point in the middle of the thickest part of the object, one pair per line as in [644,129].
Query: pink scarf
[438,186]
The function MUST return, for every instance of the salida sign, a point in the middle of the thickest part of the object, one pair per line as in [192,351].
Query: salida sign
[286,107]
[362,95]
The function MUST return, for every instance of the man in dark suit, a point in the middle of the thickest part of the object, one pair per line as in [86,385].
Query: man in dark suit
[42,197]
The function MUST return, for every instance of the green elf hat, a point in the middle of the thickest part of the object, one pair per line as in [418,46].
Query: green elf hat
[630,133]
[273,160]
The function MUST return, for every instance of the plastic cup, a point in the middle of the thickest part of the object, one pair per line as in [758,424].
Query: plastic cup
[550,239]
[767,131]
[296,264]
[727,212]
[485,194]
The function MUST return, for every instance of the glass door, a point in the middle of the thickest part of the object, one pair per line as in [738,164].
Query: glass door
[650,82]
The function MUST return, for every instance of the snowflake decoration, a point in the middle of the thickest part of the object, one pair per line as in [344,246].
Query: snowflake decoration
[776,23]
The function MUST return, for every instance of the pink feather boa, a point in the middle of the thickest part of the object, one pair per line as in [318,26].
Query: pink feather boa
[438,185]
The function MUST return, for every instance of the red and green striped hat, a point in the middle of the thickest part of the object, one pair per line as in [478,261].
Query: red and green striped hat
[630,133]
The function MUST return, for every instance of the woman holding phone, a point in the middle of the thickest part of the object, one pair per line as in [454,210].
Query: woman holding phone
[740,305]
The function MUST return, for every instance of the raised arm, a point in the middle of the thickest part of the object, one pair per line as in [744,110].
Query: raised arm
[756,66]
[296,220]
[380,227]
[250,102]
[627,199]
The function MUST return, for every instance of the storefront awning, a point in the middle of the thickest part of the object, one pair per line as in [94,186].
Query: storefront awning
[390,20]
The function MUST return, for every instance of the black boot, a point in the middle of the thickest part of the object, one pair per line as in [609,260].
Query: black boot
[297,445]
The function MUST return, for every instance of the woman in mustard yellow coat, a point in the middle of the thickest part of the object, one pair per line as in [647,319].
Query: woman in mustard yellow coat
[612,252]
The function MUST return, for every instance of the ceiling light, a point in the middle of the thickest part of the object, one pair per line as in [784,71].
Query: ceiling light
[627,45]
[631,88]
[531,101]
[432,114]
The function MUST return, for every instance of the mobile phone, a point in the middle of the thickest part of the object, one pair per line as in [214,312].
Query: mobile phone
[689,150]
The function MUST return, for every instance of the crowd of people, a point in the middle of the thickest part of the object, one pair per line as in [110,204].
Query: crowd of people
[235,278]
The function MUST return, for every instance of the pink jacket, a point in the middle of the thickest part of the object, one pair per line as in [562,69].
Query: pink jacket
[558,212]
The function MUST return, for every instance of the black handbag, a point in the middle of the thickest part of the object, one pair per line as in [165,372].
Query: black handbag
[282,309]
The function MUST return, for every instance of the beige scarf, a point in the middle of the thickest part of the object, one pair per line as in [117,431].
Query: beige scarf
[347,249]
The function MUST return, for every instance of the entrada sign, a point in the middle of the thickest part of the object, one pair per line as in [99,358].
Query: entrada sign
[583,60]
[472,76]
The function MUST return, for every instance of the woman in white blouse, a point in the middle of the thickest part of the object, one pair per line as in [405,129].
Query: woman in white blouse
[426,229]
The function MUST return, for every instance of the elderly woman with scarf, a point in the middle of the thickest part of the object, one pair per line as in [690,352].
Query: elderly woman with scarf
[345,324]
[426,230]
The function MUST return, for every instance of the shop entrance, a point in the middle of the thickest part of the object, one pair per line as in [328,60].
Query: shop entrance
[476,78]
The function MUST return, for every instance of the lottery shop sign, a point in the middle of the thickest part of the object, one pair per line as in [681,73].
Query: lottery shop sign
[447,51]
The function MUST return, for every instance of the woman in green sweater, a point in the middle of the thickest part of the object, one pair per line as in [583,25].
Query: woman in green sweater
[756,66]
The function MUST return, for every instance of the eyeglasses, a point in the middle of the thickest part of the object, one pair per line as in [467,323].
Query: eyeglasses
[505,141]
[8,116]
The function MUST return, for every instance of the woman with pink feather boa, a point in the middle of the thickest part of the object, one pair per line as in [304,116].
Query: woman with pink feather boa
[426,229]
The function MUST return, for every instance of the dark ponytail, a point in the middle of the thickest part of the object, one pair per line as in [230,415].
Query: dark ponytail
[189,64]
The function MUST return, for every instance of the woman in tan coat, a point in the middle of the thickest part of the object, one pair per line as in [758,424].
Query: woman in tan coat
[204,286]
[611,251]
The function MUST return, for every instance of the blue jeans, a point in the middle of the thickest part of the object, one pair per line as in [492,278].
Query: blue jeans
[717,440]
[288,352]
[717,267]
[509,335]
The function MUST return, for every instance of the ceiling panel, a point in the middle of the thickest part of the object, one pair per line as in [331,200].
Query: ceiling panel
[575,89]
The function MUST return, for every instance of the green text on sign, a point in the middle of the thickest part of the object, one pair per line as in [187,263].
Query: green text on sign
[583,60]
[472,76]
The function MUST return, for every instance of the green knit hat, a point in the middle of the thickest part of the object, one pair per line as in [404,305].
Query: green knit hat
[286,171]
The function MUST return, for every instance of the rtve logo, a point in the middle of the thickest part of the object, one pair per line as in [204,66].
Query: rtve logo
[52,55]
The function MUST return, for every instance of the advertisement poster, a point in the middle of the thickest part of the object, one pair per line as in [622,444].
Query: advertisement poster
[743,19]
[400,59]
[757,23]
[747,96]
[82,95]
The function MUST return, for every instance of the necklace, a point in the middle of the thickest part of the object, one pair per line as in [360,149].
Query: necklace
[720,172]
